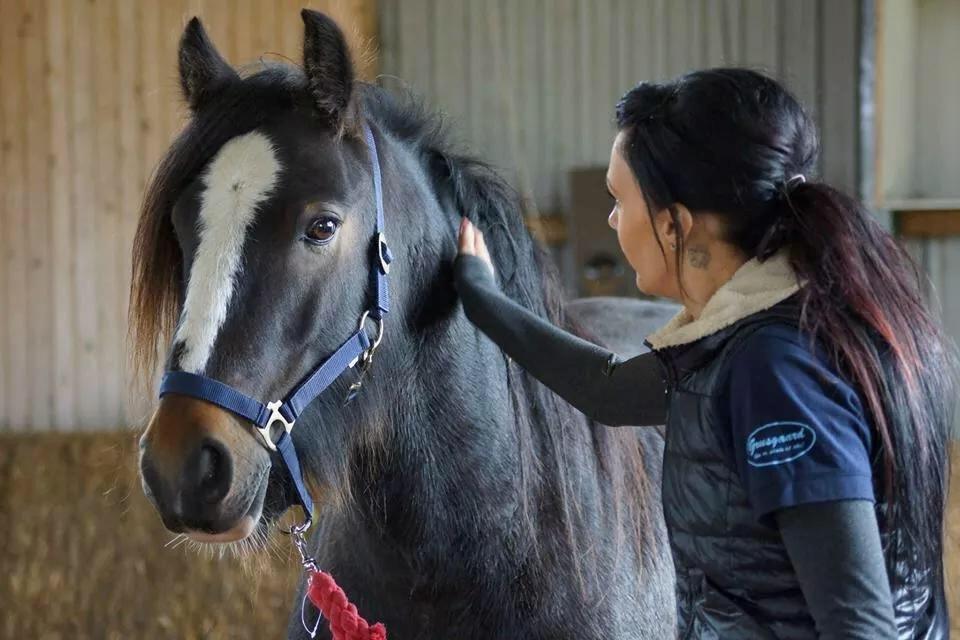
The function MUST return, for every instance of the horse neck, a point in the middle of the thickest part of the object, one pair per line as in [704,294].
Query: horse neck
[458,460]
[456,456]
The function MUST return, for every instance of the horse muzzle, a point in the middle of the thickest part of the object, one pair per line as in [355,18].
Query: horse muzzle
[202,471]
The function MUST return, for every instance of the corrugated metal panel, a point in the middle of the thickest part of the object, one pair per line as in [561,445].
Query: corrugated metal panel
[531,84]
[939,258]
[937,162]
[918,155]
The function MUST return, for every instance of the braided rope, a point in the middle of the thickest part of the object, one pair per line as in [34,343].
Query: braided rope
[345,622]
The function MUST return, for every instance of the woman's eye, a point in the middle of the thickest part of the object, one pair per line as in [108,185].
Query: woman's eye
[321,230]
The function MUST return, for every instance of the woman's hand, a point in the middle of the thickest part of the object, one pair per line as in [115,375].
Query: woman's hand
[472,243]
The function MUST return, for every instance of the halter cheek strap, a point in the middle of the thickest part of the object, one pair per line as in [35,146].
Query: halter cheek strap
[357,348]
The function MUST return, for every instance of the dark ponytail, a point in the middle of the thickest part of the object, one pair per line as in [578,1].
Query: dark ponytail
[737,144]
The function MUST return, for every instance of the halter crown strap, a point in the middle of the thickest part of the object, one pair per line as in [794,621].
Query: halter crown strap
[286,412]
[384,257]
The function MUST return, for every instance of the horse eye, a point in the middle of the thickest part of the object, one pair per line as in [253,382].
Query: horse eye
[321,230]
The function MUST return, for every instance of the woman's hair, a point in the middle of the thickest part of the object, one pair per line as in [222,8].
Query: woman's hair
[735,143]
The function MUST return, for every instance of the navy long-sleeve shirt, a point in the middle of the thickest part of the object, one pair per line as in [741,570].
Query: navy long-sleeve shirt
[796,434]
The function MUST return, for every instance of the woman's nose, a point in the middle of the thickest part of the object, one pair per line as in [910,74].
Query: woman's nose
[612,219]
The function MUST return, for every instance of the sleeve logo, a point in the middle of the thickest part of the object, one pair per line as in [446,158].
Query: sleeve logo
[779,442]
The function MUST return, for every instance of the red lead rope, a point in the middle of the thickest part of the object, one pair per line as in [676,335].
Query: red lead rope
[345,622]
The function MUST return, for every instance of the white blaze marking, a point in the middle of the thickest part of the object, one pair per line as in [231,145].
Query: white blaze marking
[239,179]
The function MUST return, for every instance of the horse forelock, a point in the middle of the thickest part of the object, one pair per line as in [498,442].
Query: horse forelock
[157,283]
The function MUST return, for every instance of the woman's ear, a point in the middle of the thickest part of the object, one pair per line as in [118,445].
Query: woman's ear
[673,225]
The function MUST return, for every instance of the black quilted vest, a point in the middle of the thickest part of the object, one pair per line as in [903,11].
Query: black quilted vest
[734,577]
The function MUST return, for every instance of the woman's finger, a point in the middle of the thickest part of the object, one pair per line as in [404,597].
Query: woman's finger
[466,237]
[481,248]
[482,252]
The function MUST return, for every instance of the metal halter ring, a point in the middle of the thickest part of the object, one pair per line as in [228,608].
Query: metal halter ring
[379,321]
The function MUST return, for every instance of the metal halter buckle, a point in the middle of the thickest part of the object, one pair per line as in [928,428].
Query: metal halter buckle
[382,251]
[275,416]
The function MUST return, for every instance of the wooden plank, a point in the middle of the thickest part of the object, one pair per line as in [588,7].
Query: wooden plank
[363,18]
[698,35]
[839,74]
[107,222]
[529,97]
[39,278]
[565,69]
[83,198]
[7,131]
[260,24]
[586,71]
[552,190]
[935,161]
[799,69]
[678,38]
[760,35]
[733,25]
[661,27]
[243,46]
[928,224]
[415,63]
[716,46]
[910,204]
[389,51]
[895,117]
[15,111]
[645,44]
[173,18]
[128,154]
[292,30]
[152,71]
[488,125]
[280,25]
[604,91]
[59,42]
[500,141]
[623,41]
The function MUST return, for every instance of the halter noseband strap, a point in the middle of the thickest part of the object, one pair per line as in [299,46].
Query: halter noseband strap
[357,348]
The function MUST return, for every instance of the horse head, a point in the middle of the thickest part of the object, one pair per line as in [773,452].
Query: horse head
[252,255]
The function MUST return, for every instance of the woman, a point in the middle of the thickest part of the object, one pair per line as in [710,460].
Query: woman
[804,385]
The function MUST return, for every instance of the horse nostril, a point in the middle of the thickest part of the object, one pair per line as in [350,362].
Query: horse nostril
[213,472]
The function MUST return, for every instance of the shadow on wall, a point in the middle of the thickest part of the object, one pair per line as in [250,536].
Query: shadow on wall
[83,555]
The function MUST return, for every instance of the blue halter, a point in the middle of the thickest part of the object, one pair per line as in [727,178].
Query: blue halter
[358,348]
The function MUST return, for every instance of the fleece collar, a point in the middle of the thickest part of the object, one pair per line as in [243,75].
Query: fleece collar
[756,286]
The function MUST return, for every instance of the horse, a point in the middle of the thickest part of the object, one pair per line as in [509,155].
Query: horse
[457,497]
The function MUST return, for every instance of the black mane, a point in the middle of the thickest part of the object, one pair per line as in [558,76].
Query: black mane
[470,187]
[547,426]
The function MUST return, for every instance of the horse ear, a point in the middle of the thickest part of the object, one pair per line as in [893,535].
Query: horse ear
[202,69]
[329,69]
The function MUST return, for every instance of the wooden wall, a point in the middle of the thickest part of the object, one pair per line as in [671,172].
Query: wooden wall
[88,103]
